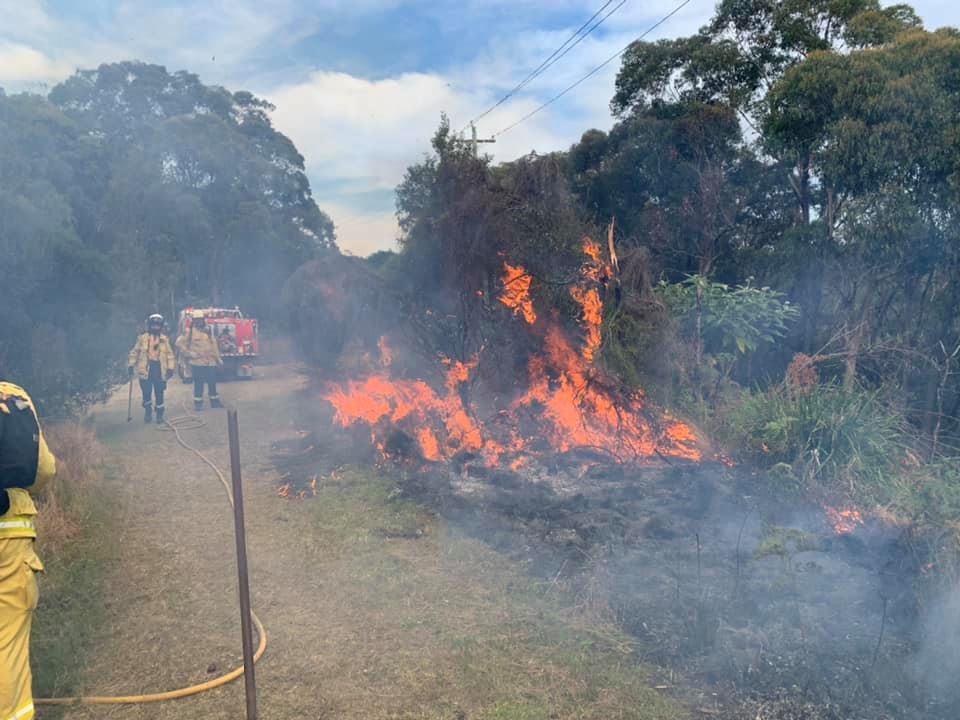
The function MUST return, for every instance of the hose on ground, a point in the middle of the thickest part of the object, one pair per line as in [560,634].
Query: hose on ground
[188,421]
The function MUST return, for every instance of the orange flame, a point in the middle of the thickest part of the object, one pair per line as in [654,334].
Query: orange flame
[565,407]
[597,272]
[589,301]
[580,413]
[844,522]
[440,424]
[516,292]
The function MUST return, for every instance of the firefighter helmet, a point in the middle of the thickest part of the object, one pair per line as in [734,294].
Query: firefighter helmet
[155,321]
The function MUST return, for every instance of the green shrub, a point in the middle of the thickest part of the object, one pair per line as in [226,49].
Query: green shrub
[834,440]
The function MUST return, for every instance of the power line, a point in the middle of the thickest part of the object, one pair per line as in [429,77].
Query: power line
[556,55]
[581,38]
[593,72]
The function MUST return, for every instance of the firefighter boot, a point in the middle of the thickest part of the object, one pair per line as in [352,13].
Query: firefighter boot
[160,409]
[215,402]
[148,413]
[198,403]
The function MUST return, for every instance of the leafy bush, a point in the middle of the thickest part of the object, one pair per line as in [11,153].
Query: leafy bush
[714,327]
[731,319]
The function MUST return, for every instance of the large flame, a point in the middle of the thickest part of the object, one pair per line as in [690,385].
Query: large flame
[579,412]
[567,405]
[439,423]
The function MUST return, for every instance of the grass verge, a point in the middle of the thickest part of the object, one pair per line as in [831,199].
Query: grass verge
[453,629]
[76,547]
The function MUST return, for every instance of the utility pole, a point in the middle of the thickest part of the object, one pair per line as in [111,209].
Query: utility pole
[473,135]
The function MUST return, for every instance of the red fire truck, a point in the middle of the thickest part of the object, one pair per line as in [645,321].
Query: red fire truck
[236,336]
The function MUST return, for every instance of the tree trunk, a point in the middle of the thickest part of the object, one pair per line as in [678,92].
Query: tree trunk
[854,343]
[858,332]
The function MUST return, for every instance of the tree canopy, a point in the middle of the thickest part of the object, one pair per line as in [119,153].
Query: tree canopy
[131,190]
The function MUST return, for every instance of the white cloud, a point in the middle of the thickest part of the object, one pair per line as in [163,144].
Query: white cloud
[350,127]
[357,134]
[367,132]
[22,65]
[27,16]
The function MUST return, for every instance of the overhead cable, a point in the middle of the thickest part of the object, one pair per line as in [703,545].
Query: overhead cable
[593,72]
[578,36]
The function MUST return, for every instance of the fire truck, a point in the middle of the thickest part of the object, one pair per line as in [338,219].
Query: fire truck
[235,335]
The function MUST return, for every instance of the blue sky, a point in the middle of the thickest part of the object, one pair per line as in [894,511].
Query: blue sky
[359,85]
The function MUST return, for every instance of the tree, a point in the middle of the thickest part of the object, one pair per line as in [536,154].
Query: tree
[131,190]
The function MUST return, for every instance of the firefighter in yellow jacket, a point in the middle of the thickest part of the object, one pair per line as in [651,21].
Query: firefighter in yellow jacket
[201,351]
[152,360]
[26,466]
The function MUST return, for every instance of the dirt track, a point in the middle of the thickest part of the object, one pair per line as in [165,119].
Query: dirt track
[173,609]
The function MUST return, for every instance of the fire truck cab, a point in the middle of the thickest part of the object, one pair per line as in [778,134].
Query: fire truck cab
[236,336]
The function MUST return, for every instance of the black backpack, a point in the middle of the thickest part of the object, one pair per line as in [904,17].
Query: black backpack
[19,444]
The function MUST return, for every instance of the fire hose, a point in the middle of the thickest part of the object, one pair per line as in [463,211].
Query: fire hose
[189,421]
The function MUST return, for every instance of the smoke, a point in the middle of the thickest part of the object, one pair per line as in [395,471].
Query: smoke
[937,664]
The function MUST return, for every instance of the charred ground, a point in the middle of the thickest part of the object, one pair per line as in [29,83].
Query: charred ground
[759,605]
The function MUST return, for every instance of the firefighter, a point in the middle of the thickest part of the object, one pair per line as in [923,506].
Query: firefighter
[26,467]
[226,341]
[201,351]
[153,361]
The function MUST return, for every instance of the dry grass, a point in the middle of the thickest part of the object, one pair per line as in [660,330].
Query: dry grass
[67,502]
[76,550]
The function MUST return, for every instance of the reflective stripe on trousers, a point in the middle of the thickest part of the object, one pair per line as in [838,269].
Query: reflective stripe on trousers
[24,713]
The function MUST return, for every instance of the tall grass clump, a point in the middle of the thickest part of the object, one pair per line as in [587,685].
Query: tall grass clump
[825,439]
[75,544]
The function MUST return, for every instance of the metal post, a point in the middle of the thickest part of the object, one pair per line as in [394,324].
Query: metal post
[249,679]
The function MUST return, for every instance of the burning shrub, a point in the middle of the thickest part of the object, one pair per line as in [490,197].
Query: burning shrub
[566,404]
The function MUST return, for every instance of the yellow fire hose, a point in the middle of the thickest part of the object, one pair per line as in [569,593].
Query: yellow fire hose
[185,422]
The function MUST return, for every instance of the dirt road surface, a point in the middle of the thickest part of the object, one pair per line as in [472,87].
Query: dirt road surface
[172,599]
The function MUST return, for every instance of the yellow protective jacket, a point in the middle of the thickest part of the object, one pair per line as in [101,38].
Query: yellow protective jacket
[199,348]
[18,522]
[151,347]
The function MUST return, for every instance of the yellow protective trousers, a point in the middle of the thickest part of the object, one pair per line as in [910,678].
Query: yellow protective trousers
[18,599]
